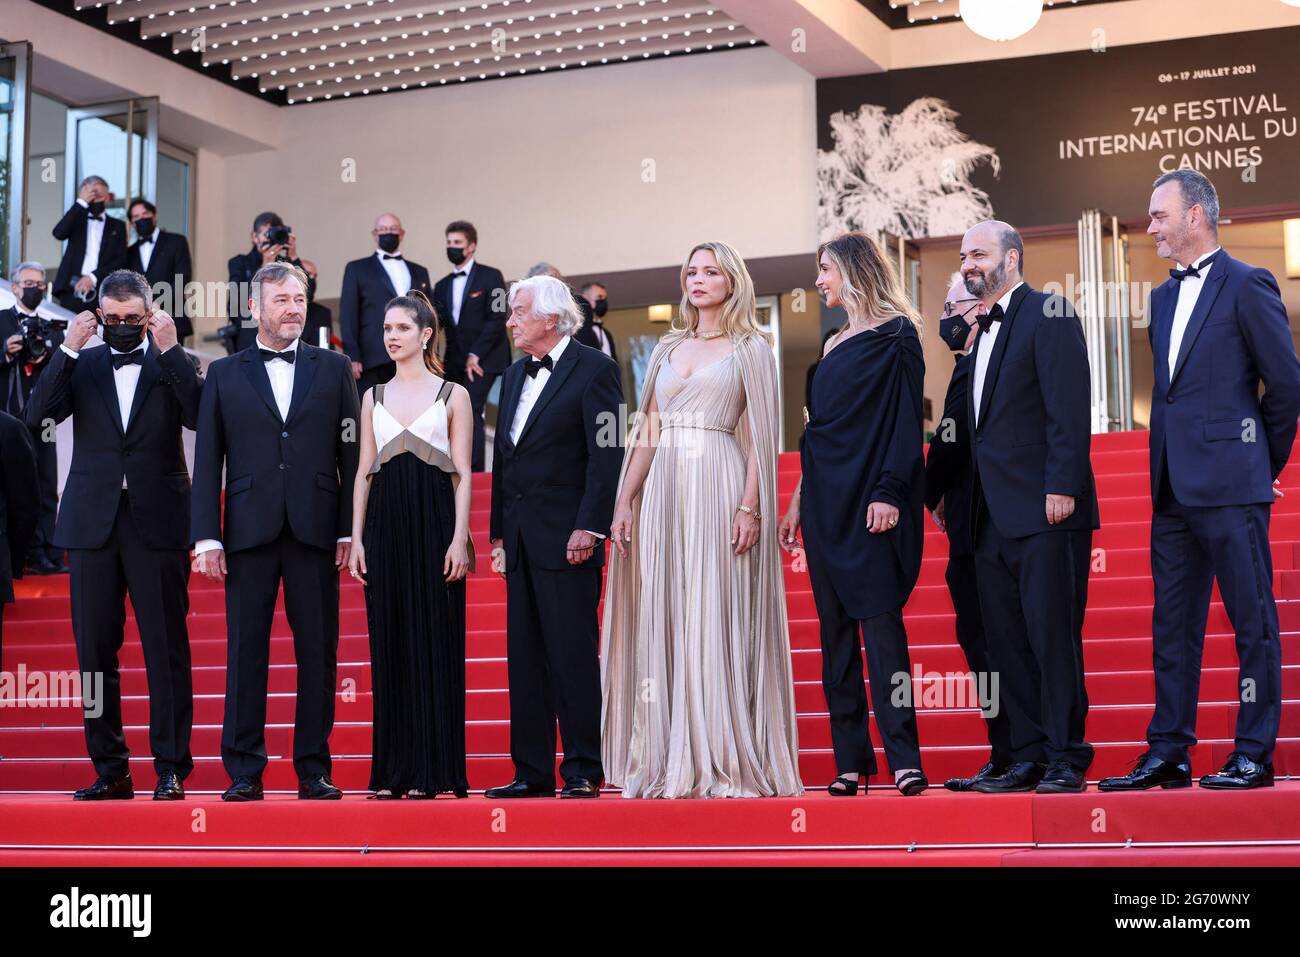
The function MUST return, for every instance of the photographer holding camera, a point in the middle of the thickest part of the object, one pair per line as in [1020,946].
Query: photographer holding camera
[29,341]
[273,241]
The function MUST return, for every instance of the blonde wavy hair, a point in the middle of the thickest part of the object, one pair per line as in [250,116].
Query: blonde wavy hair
[870,282]
[739,311]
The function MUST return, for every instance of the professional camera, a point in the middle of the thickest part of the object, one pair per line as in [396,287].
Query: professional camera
[278,235]
[38,337]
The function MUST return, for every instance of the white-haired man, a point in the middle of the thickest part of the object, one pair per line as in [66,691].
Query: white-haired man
[554,478]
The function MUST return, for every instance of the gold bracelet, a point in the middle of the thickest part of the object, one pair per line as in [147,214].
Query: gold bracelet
[749,511]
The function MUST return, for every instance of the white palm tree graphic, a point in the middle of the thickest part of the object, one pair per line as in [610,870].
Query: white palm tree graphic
[906,174]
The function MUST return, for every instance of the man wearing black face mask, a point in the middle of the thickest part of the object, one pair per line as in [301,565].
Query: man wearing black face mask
[595,334]
[161,257]
[268,227]
[96,245]
[368,285]
[123,519]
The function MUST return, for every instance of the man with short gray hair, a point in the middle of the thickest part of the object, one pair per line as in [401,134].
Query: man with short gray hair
[95,245]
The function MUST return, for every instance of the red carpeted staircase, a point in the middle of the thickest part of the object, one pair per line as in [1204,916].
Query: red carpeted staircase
[42,751]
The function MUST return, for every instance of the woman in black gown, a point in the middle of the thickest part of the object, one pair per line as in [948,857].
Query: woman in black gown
[860,506]
[411,549]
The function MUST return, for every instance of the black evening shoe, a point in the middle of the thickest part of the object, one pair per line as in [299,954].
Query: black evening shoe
[169,787]
[519,789]
[1062,778]
[1240,773]
[244,788]
[849,789]
[912,783]
[107,789]
[383,794]
[1022,776]
[1149,772]
[319,788]
[580,788]
[989,770]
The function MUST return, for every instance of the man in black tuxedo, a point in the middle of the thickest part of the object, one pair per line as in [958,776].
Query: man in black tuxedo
[594,333]
[19,507]
[161,257]
[472,309]
[25,358]
[1034,506]
[368,285]
[1219,331]
[281,418]
[96,245]
[272,242]
[553,486]
[122,519]
[947,496]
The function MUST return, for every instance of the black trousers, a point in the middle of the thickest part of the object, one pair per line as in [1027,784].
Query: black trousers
[375,375]
[1033,594]
[553,662]
[1190,549]
[47,484]
[311,602]
[478,396]
[974,645]
[157,581]
[846,695]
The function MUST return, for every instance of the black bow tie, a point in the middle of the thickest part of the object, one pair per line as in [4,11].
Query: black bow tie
[99,218]
[1195,271]
[533,366]
[394,256]
[459,272]
[267,355]
[128,358]
[986,321]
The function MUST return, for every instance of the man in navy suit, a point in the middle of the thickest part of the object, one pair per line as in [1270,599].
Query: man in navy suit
[1033,506]
[1218,332]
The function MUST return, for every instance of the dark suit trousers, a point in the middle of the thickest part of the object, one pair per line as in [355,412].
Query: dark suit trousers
[1190,548]
[1033,594]
[375,375]
[846,695]
[47,483]
[974,645]
[553,663]
[157,581]
[478,396]
[311,603]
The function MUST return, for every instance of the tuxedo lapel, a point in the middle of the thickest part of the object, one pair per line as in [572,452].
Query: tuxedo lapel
[150,372]
[377,266]
[1162,318]
[1204,303]
[511,389]
[103,376]
[561,372]
[255,369]
[999,350]
[302,377]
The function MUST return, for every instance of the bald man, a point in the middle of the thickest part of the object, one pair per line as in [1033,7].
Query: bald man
[368,285]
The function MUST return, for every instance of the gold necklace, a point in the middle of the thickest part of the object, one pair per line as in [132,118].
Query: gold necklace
[714,334]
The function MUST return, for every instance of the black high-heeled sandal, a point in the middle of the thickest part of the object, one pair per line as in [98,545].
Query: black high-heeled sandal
[912,783]
[850,787]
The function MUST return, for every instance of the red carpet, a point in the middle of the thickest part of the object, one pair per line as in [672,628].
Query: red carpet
[43,750]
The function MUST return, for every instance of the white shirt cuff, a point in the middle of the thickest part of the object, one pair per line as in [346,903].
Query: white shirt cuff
[206,545]
[345,538]
[82,203]
[71,352]
[590,532]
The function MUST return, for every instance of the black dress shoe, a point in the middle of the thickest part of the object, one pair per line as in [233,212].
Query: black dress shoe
[580,788]
[1240,774]
[989,770]
[1150,772]
[169,787]
[1022,776]
[519,789]
[42,566]
[244,789]
[1062,778]
[319,788]
[107,789]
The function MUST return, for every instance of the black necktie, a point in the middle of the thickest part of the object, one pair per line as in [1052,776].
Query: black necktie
[460,272]
[128,358]
[267,355]
[1195,270]
[533,366]
[993,315]
[395,256]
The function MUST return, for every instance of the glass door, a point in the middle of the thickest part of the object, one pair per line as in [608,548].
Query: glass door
[118,141]
[15,93]
[1104,309]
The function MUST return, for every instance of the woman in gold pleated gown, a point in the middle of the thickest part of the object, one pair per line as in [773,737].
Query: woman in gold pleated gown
[698,692]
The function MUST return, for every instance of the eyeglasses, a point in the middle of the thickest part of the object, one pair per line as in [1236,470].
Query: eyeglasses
[950,308]
[130,320]
[32,284]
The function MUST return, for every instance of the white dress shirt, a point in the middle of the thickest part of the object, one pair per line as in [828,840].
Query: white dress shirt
[94,238]
[458,286]
[1189,290]
[125,381]
[146,249]
[984,351]
[399,274]
[602,336]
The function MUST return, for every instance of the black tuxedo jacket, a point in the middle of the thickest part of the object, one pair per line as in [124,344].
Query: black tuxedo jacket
[482,327]
[1033,435]
[1224,443]
[72,230]
[587,333]
[149,453]
[948,464]
[366,290]
[563,474]
[298,470]
[169,264]
[20,505]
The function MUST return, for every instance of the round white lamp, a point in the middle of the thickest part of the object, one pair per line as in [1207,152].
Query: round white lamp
[1003,19]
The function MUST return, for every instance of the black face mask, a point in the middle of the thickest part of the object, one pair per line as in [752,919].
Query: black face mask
[97,207]
[144,228]
[32,297]
[388,242]
[123,338]
[954,330]
[456,255]
[600,308]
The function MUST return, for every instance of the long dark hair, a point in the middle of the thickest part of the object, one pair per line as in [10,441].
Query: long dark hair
[419,308]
